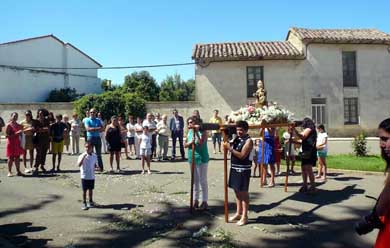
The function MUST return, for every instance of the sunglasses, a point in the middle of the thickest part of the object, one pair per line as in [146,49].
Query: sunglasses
[384,139]
[92,112]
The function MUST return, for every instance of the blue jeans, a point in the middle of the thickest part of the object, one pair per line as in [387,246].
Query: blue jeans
[97,144]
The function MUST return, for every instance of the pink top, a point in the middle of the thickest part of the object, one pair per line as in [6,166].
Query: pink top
[13,148]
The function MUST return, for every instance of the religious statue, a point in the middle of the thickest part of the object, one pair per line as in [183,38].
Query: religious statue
[261,95]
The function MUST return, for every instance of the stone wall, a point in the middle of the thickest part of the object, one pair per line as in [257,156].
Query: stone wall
[57,108]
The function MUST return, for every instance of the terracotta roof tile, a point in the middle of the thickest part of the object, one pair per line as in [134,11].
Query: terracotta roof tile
[248,50]
[365,36]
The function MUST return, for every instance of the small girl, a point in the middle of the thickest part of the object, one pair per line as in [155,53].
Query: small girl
[145,149]
[277,152]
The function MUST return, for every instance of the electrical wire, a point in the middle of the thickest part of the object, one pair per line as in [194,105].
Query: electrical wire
[99,68]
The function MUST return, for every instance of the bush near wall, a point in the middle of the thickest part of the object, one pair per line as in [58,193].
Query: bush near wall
[63,95]
[112,103]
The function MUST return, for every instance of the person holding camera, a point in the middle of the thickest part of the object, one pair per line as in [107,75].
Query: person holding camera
[380,215]
[309,153]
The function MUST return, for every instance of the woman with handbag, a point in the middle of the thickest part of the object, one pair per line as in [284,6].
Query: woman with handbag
[13,147]
[309,154]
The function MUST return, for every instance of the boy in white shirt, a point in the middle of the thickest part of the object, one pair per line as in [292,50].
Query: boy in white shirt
[145,149]
[87,162]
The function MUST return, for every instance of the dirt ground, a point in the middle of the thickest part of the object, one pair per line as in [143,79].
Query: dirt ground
[152,210]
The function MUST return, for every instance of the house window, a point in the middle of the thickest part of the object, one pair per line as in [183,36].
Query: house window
[351,111]
[349,69]
[318,110]
[253,75]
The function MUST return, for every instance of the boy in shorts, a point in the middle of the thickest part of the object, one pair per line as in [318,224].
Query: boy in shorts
[57,131]
[87,162]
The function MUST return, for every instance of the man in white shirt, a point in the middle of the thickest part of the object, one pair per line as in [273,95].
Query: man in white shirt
[163,138]
[149,122]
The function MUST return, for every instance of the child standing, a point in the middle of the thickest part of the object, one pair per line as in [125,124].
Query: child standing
[87,163]
[57,132]
[277,152]
[145,149]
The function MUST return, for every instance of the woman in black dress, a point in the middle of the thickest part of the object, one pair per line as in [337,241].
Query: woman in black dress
[113,138]
[309,154]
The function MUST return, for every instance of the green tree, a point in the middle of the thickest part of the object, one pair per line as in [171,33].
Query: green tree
[112,103]
[173,88]
[142,84]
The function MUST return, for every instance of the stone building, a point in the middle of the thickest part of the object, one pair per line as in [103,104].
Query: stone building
[339,77]
[41,54]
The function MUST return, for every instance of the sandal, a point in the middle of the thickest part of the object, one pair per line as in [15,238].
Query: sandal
[10,174]
[243,221]
[196,204]
[312,190]
[303,189]
[204,206]
[20,174]
[235,218]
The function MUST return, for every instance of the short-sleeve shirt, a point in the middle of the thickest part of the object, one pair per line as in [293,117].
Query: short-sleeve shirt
[217,120]
[93,122]
[87,169]
[321,139]
[201,151]
[151,125]
[130,130]
[57,131]
[75,127]
[145,141]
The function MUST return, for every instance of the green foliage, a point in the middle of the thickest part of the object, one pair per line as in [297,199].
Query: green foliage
[112,103]
[359,145]
[142,84]
[173,88]
[63,95]
[351,162]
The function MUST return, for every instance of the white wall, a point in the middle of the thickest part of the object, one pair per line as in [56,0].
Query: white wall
[223,85]
[46,52]
[293,83]
[323,78]
[27,86]
[34,86]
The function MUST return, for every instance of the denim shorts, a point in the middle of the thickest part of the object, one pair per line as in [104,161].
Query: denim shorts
[322,154]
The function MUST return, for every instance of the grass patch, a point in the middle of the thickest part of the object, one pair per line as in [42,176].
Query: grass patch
[351,162]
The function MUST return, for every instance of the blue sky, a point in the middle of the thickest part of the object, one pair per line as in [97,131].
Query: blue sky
[119,33]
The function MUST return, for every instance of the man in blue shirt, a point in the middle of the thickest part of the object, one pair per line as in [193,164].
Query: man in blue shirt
[176,124]
[94,126]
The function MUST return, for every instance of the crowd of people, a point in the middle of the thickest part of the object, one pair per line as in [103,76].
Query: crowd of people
[50,133]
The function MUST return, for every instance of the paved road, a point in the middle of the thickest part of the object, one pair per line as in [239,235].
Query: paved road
[151,210]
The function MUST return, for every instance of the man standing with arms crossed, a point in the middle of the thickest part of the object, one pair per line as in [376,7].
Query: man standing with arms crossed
[94,126]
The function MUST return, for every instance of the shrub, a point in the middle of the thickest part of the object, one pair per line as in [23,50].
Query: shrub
[359,145]
[112,103]
[63,95]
